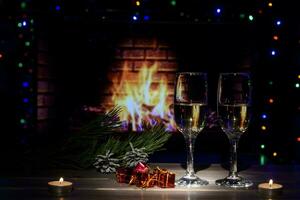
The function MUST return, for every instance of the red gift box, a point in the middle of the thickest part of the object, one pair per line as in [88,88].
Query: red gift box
[165,179]
[123,175]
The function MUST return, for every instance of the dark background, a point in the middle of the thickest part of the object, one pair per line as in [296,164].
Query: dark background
[81,44]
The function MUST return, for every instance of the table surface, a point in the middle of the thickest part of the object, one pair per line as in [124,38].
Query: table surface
[89,184]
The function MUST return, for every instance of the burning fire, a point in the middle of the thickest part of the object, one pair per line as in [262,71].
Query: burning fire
[144,100]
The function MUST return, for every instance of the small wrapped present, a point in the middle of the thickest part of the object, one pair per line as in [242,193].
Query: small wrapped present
[141,168]
[139,175]
[123,175]
[165,179]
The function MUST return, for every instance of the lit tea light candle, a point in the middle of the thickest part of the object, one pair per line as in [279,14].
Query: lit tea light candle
[271,189]
[60,188]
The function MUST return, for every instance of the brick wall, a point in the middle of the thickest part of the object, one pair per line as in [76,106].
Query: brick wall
[135,53]
[45,87]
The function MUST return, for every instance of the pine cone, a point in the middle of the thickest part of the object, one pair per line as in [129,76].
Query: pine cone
[106,163]
[133,157]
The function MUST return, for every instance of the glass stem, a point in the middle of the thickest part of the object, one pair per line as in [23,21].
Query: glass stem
[190,141]
[233,158]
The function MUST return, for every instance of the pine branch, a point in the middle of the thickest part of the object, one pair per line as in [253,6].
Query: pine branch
[99,136]
[79,149]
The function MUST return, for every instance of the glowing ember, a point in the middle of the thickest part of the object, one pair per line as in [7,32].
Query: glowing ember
[145,100]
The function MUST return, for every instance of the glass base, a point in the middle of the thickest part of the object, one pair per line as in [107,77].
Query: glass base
[190,181]
[234,182]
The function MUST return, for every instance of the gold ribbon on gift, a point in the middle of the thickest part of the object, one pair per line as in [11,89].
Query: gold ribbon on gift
[150,181]
[161,174]
[133,179]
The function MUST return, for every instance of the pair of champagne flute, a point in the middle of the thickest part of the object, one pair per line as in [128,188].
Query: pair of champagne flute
[233,111]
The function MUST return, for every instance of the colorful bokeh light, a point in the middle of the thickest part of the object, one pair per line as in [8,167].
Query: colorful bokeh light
[275,37]
[250,17]
[278,22]
[134,17]
[22,121]
[23,5]
[25,84]
[173,2]
[57,7]
[263,128]
[25,100]
[262,159]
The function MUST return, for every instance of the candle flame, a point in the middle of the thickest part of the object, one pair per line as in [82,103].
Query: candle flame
[270,182]
[61,180]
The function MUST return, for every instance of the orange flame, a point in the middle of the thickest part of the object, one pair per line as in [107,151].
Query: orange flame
[144,99]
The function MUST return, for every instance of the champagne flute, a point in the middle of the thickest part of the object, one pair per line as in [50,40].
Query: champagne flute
[233,109]
[190,105]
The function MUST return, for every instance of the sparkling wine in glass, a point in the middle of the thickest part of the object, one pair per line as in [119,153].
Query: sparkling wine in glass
[190,106]
[233,109]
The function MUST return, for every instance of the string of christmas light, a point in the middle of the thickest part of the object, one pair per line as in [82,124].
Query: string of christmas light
[25,67]
[265,115]
[297,88]
[271,97]
[172,11]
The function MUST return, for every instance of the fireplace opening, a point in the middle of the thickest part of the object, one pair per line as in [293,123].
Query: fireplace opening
[141,81]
